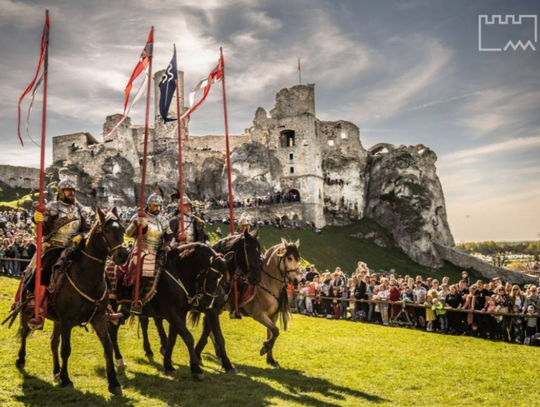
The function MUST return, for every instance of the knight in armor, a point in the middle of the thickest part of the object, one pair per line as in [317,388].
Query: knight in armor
[156,241]
[194,227]
[64,223]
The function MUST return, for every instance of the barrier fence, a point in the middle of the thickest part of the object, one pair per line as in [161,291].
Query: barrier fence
[405,304]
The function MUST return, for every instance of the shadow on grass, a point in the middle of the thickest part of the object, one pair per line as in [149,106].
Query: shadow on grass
[38,392]
[250,388]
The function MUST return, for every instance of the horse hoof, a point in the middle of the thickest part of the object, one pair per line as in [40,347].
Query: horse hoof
[170,370]
[19,364]
[120,363]
[68,385]
[198,376]
[275,365]
[117,391]
[264,350]
[57,377]
[233,370]
[162,350]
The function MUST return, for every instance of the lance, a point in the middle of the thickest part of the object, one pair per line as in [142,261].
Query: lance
[182,237]
[38,318]
[136,306]
[231,209]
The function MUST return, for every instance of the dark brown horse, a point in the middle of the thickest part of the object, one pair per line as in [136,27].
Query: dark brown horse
[83,296]
[279,266]
[190,280]
[242,253]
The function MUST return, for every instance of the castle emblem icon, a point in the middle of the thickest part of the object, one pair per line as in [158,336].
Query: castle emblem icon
[526,26]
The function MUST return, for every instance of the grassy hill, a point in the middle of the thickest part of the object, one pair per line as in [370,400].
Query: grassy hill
[324,363]
[12,198]
[337,246]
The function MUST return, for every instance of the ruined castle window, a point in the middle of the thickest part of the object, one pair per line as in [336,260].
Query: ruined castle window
[343,135]
[291,171]
[331,143]
[287,138]
[12,182]
[27,183]
[291,156]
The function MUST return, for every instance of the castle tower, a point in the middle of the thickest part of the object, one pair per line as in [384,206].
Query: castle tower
[294,133]
[165,135]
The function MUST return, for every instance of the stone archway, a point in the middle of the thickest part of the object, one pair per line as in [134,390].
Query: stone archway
[287,138]
[291,195]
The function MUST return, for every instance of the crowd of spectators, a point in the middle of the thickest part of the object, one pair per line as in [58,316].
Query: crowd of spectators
[427,304]
[17,244]
[269,199]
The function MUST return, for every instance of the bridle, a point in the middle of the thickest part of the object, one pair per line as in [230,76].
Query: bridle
[284,273]
[99,228]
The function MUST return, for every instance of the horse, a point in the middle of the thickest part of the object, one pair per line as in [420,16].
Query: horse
[242,253]
[190,279]
[279,266]
[83,298]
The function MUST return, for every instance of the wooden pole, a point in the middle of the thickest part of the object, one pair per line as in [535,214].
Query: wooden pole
[182,236]
[136,306]
[231,202]
[41,205]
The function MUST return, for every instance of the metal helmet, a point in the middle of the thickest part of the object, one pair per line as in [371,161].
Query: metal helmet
[244,220]
[66,184]
[186,201]
[155,199]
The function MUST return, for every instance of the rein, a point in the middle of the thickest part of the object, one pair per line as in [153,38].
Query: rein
[197,297]
[284,273]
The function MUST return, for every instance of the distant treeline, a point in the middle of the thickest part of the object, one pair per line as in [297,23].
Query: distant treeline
[501,253]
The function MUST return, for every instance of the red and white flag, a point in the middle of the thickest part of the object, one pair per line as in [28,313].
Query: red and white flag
[215,76]
[43,61]
[144,60]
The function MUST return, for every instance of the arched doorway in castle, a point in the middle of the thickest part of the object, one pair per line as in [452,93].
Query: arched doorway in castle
[292,195]
[287,138]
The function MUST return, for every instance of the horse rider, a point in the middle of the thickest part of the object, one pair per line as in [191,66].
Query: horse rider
[194,227]
[157,235]
[244,223]
[64,223]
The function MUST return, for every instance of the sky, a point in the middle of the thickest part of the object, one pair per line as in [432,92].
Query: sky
[406,72]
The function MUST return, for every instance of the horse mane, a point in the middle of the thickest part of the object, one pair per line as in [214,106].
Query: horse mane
[226,244]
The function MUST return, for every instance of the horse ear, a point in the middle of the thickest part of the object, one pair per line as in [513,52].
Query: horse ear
[255,233]
[115,211]
[100,213]
[297,243]
[284,242]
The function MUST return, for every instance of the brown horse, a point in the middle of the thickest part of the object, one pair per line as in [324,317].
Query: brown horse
[83,297]
[279,266]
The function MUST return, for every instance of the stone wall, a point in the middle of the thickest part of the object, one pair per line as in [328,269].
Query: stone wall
[65,145]
[216,143]
[19,177]
[489,271]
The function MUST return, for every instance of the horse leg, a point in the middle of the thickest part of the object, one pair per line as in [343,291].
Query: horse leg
[212,319]
[65,353]
[203,340]
[162,334]
[179,324]
[272,337]
[144,321]
[273,333]
[100,326]
[167,356]
[113,334]
[24,330]
[55,343]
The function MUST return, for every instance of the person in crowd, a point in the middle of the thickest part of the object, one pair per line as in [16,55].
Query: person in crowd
[455,301]
[465,278]
[441,314]
[430,314]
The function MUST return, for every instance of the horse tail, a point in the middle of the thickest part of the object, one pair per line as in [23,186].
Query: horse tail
[284,310]
[194,318]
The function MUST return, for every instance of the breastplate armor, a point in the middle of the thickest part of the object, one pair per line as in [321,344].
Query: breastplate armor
[189,228]
[153,238]
[65,233]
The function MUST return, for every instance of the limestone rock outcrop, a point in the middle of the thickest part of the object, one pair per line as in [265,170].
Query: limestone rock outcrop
[405,196]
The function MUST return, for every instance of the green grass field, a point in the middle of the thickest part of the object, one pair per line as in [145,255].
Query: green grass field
[324,363]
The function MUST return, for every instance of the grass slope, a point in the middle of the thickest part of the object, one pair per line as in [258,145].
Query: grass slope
[12,198]
[337,247]
[324,363]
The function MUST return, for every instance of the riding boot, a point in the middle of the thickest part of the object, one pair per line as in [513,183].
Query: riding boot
[38,321]
[112,316]
[235,315]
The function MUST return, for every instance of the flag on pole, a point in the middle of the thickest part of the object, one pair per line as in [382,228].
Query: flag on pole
[33,86]
[144,60]
[167,86]
[215,76]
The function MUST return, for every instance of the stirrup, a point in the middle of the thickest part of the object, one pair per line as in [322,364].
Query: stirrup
[235,315]
[136,308]
[37,323]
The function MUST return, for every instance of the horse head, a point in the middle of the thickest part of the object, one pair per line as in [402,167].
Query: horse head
[111,230]
[209,280]
[290,257]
